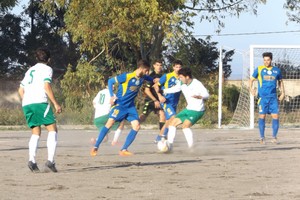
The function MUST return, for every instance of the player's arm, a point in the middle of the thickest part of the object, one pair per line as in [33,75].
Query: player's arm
[110,84]
[252,79]
[281,88]
[203,93]
[152,97]
[174,89]
[96,99]
[157,85]
[50,94]
[21,92]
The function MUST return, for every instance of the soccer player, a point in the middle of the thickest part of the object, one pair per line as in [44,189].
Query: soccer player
[124,108]
[169,101]
[152,101]
[267,76]
[102,107]
[35,89]
[195,94]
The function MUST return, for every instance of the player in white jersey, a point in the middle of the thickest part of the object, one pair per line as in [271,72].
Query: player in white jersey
[102,107]
[195,94]
[35,89]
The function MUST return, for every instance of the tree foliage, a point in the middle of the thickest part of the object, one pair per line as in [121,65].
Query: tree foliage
[293,7]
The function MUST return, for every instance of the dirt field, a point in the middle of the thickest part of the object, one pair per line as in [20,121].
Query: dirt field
[225,164]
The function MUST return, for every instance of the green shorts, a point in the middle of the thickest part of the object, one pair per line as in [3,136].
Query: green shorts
[101,121]
[191,115]
[38,114]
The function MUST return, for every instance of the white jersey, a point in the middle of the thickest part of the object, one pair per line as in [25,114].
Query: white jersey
[33,84]
[195,88]
[102,103]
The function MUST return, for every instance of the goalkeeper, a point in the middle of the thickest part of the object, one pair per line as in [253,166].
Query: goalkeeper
[267,76]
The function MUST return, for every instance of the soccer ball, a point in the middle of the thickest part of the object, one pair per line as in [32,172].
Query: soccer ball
[163,145]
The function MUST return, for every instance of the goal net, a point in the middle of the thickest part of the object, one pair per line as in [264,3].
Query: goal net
[287,58]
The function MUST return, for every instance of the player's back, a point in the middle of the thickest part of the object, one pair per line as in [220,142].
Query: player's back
[167,81]
[102,103]
[128,88]
[33,84]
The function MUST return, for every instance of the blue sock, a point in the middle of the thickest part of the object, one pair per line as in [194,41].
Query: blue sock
[261,125]
[101,136]
[275,126]
[166,132]
[158,138]
[129,139]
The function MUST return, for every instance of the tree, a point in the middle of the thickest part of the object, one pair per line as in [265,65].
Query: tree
[145,26]
[6,5]
[202,56]
[293,7]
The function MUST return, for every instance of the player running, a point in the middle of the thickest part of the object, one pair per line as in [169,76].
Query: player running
[195,94]
[35,89]
[267,76]
[102,107]
[169,102]
[124,108]
[152,101]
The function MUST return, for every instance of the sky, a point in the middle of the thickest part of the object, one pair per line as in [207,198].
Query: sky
[271,17]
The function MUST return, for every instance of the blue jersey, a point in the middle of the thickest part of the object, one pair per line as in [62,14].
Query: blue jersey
[167,81]
[267,80]
[129,85]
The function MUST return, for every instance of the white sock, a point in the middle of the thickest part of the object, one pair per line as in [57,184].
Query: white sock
[33,145]
[117,135]
[51,145]
[188,136]
[171,134]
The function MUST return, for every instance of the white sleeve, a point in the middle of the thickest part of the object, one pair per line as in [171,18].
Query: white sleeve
[203,91]
[25,80]
[96,99]
[48,75]
[174,89]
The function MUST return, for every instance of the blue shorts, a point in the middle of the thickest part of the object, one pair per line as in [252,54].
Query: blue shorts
[119,113]
[170,110]
[268,105]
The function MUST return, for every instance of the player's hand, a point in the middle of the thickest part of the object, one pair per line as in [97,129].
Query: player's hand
[253,91]
[155,80]
[281,97]
[112,100]
[156,104]
[197,96]
[58,108]
[161,98]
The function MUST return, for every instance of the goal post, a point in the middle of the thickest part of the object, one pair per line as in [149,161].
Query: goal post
[287,58]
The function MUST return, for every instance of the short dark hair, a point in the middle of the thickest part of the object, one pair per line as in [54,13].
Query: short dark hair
[185,71]
[42,55]
[177,62]
[268,54]
[157,61]
[143,64]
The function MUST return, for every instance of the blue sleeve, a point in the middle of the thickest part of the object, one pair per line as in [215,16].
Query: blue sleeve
[111,82]
[255,73]
[162,79]
[279,77]
[148,78]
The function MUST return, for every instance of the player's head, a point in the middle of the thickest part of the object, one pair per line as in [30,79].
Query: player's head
[42,55]
[157,65]
[268,57]
[143,68]
[185,75]
[177,65]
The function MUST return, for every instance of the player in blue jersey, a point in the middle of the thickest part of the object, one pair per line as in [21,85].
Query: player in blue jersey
[267,76]
[123,104]
[169,101]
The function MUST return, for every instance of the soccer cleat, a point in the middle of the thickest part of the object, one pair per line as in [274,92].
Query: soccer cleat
[125,153]
[274,140]
[33,167]
[51,165]
[262,141]
[93,151]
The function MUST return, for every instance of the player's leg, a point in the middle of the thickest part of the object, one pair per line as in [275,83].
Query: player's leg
[162,118]
[133,118]
[188,134]
[33,145]
[170,112]
[117,134]
[174,122]
[51,146]
[274,110]
[263,108]
[145,112]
